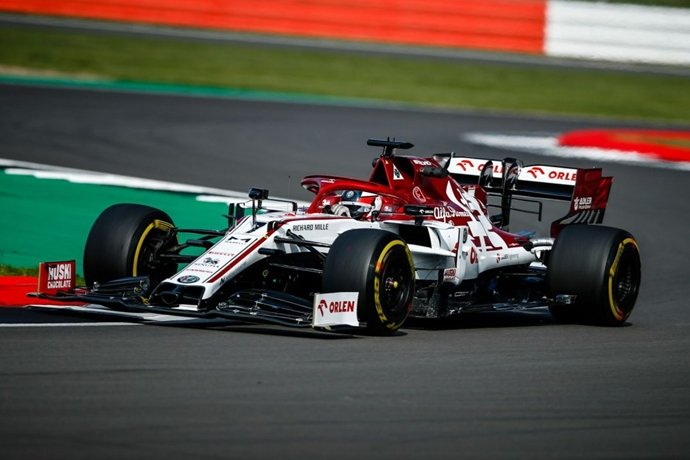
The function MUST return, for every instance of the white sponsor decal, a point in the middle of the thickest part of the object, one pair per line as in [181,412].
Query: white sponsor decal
[549,174]
[473,166]
[310,227]
[337,308]
[396,174]
[60,276]
[54,276]
[449,275]
[582,203]
[441,213]
[534,173]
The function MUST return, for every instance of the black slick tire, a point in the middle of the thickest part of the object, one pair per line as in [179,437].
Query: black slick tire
[600,266]
[378,265]
[124,241]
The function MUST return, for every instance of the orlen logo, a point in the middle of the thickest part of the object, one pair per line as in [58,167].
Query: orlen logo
[535,171]
[554,174]
[496,166]
[465,164]
[337,306]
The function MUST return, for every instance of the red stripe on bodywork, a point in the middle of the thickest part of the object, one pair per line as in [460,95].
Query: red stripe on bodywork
[236,260]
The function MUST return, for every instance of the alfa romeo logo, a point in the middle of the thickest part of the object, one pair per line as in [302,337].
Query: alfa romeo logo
[188,279]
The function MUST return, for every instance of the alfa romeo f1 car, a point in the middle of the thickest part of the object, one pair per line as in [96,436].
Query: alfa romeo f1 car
[415,239]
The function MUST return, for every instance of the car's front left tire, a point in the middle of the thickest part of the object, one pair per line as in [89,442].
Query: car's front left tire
[125,240]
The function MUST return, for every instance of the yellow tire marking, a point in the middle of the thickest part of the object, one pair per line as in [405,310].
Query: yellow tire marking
[618,314]
[157,224]
[377,281]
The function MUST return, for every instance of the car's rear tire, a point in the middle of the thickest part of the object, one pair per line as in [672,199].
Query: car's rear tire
[125,240]
[601,267]
[378,265]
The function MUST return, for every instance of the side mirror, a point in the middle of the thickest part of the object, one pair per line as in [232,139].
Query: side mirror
[258,193]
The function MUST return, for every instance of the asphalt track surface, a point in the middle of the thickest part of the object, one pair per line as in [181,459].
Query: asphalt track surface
[486,386]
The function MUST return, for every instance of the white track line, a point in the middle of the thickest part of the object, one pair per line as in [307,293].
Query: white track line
[68,324]
[80,176]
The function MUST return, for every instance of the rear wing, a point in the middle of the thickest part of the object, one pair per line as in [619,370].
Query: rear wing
[586,189]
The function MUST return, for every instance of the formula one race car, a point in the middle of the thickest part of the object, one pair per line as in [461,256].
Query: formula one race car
[416,239]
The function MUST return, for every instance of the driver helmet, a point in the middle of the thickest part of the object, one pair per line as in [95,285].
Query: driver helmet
[352,203]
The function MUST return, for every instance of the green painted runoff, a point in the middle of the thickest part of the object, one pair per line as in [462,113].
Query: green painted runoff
[44,220]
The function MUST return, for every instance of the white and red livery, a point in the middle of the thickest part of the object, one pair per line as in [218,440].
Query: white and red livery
[416,238]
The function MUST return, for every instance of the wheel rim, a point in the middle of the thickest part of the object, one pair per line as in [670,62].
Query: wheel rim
[147,248]
[624,280]
[395,275]
[396,283]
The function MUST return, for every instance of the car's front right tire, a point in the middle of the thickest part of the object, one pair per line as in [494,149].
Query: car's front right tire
[378,265]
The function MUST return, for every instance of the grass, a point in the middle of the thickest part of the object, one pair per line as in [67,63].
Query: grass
[8,270]
[427,82]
